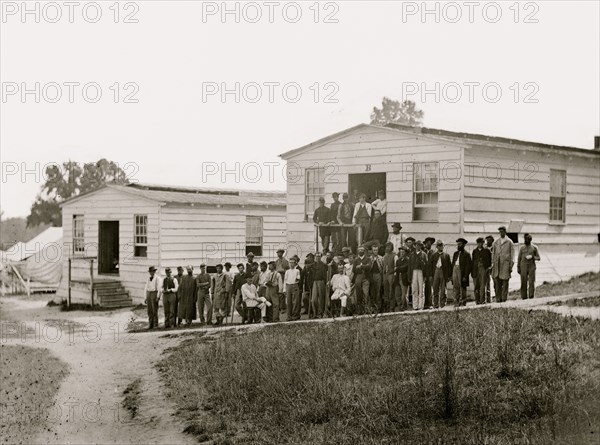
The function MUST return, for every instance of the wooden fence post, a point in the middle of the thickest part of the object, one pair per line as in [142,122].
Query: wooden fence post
[92,280]
[69,289]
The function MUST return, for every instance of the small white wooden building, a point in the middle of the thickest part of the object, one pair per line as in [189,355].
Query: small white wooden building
[447,184]
[113,234]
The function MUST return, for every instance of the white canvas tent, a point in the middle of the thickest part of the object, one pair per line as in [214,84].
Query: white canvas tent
[36,265]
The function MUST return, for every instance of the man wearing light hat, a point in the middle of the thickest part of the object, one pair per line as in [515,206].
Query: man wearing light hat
[502,264]
[461,269]
[152,289]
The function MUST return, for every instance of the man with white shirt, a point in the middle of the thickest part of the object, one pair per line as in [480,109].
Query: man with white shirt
[291,283]
[396,238]
[341,288]
[502,264]
[152,291]
[169,290]
[380,204]
[362,216]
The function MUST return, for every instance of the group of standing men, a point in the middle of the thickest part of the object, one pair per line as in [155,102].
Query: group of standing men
[409,272]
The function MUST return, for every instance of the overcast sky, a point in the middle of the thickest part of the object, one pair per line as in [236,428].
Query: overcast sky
[545,66]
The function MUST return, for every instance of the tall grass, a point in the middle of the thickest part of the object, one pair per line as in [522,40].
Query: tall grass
[491,376]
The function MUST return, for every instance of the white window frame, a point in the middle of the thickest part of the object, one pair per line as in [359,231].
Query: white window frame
[254,232]
[78,233]
[140,238]
[425,192]
[557,212]
[314,188]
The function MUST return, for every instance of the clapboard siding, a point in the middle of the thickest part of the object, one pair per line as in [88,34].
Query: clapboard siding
[521,195]
[385,151]
[216,235]
[111,205]
[177,235]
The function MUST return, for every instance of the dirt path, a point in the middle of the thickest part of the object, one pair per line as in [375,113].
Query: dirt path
[104,359]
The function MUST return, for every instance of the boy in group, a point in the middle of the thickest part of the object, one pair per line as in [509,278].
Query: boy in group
[341,287]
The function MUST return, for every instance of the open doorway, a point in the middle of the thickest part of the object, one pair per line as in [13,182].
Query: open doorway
[368,183]
[108,247]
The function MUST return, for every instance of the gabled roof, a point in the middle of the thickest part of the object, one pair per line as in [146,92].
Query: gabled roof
[458,138]
[174,195]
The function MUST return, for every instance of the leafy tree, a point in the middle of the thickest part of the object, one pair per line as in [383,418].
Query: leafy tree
[393,111]
[67,182]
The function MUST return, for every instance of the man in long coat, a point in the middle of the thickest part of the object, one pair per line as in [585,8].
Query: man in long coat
[502,264]
[461,269]
[187,297]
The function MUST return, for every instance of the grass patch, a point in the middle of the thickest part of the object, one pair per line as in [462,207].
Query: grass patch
[494,376]
[29,380]
[131,401]
[588,282]
[579,302]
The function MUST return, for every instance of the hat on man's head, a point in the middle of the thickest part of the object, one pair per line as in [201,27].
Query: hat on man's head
[361,248]
[281,250]
[335,194]
[439,243]
[396,226]
[502,228]
[310,254]
[321,199]
[479,240]
[346,249]
[167,269]
[202,264]
[179,268]
[250,254]
[152,269]
[344,195]
[189,267]
[410,238]
[418,242]
[489,237]
[429,238]
[403,248]
[297,258]
[462,240]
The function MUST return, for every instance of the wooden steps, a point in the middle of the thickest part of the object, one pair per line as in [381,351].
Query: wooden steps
[108,292]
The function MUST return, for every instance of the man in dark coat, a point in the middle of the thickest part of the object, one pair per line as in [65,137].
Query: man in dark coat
[362,271]
[378,232]
[440,272]
[461,269]
[482,261]
[306,280]
[336,233]
[427,279]
[322,217]
[187,293]
[236,289]
[179,277]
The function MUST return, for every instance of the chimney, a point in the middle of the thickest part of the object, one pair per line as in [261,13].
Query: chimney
[596,142]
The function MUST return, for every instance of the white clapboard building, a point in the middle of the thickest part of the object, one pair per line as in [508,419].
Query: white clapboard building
[446,184]
[113,234]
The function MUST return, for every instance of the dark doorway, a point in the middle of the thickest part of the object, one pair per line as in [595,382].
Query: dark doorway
[367,183]
[108,247]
